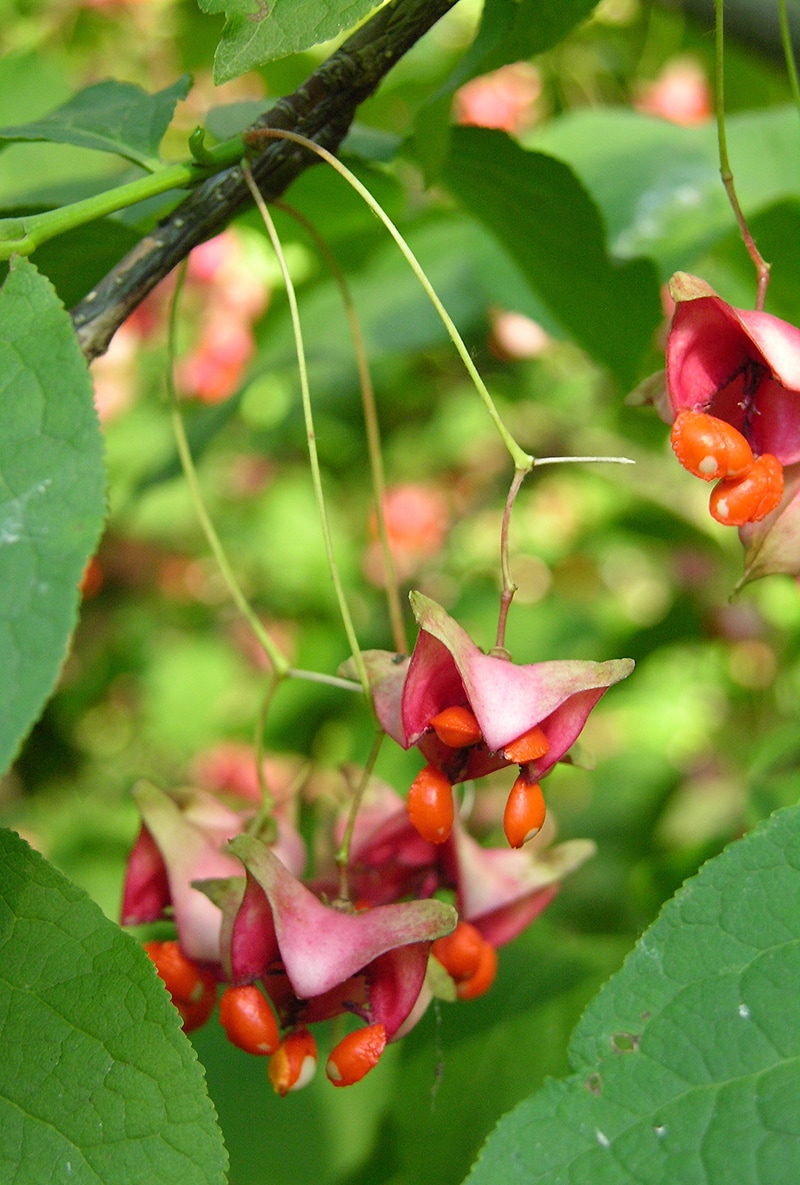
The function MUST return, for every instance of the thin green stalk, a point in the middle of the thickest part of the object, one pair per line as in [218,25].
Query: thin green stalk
[21,236]
[267,797]
[762,268]
[521,459]
[583,460]
[263,823]
[374,450]
[343,855]
[321,677]
[788,53]
[316,475]
[280,664]
[509,587]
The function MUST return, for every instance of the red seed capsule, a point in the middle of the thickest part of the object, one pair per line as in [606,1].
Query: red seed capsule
[457,727]
[355,1055]
[750,498]
[194,1016]
[248,1020]
[292,1065]
[524,813]
[708,447]
[430,805]
[185,981]
[460,952]
[483,978]
[532,745]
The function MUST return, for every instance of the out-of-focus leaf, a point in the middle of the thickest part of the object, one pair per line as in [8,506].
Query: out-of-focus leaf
[98,246]
[201,429]
[110,116]
[258,32]
[658,184]
[467,268]
[52,494]
[688,1061]
[511,30]
[97,1082]
[547,222]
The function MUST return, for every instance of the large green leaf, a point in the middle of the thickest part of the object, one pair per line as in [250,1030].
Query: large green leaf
[688,1061]
[658,184]
[546,220]
[258,32]
[97,1083]
[110,116]
[511,30]
[52,494]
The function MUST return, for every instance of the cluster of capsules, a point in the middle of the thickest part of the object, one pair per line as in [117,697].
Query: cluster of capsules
[250,1024]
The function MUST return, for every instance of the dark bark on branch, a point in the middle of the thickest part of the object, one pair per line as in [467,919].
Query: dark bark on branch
[322,109]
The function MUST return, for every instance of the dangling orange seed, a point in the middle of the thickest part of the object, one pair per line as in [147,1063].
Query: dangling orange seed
[248,1020]
[195,1015]
[749,498]
[184,979]
[457,727]
[292,1065]
[532,745]
[430,805]
[355,1055]
[483,978]
[524,813]
[709,447]
[460,952]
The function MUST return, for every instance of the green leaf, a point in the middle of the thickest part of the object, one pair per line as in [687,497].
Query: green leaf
[97,1082]
[98,245]
[110,116]
[688,1061]
[259,31]
[511,30]
[658,184]
[52,494]
[547,222]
